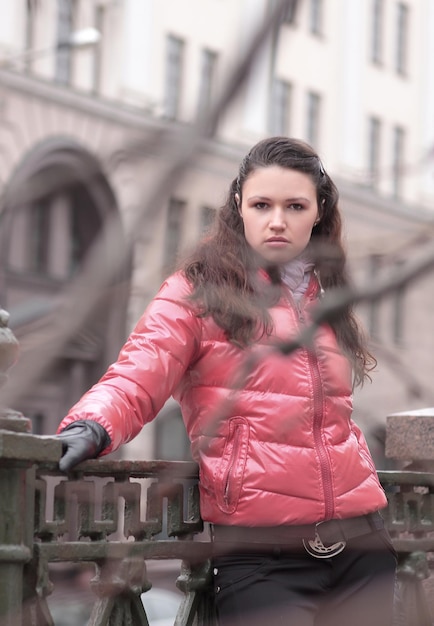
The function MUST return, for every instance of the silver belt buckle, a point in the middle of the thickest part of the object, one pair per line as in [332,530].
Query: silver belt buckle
[318,550]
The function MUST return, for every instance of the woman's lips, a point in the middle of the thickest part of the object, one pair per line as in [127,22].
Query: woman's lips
[277,242]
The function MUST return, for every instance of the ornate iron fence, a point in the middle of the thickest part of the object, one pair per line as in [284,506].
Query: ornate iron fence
[118,515]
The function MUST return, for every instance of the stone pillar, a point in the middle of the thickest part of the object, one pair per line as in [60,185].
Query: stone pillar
[9,419]
[19,450]
[13,553]
[410,439]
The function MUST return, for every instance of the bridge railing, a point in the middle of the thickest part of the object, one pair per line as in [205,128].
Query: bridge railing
[118,515]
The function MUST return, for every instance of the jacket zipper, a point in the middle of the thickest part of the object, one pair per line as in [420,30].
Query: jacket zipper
[317,428]
[234,456]
[317,417]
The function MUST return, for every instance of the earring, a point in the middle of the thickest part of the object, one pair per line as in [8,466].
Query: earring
[316,222]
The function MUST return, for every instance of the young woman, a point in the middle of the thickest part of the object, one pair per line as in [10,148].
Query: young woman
[286,479]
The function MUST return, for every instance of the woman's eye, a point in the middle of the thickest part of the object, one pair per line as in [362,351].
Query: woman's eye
[297,207]
[261,205]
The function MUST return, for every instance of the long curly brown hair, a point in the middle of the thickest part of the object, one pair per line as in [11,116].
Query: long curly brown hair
[224,270]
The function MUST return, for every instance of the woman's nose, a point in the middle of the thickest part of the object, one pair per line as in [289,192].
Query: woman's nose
[277,219]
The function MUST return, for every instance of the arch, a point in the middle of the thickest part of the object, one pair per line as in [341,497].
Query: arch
[59,167]
[51,165]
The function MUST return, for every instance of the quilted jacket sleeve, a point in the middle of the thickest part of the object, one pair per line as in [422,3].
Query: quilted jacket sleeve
[148,369]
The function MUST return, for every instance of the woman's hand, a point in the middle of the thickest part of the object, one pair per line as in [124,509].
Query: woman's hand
[81,440]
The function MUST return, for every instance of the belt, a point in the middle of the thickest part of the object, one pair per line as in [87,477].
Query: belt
[329,532]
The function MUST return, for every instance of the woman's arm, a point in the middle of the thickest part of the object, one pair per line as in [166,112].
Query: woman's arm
[149,368]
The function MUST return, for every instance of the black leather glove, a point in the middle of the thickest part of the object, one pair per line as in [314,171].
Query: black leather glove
[81,440]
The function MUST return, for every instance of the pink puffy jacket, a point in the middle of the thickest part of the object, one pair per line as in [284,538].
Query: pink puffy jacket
[281,450]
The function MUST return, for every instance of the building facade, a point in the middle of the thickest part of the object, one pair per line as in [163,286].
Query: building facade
[88,134]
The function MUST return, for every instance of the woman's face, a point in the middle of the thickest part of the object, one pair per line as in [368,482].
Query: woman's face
[279,209]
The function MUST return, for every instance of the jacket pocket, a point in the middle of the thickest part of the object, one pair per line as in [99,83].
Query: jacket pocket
[230,471]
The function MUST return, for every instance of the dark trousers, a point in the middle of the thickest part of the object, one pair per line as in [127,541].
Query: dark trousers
[278,587]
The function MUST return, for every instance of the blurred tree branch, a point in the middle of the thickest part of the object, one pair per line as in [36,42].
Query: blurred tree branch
[333,302]
[180,148]
[336,300]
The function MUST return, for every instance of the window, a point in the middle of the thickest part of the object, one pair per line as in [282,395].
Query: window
[175,218]
[280,107]
[313,118]
[81,222]
[290,11]
[51,236]
[55,226]
[378,317]
[206,81]
[377,31]
[402,19]
[398,311]
[100,17]
[398,159]
[39,239]
[30,30]
[76,240]
[171,440]
[374,150]
[207,216]
[316,16]
[38,423]
[174,63]
[374,268]
[65,25]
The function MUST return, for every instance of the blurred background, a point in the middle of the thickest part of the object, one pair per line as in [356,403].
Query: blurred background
[117,147]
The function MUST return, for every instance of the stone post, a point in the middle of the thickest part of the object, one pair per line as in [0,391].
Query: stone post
[410,439]
[13,551]
[18,451]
